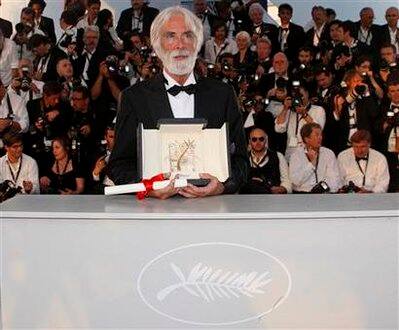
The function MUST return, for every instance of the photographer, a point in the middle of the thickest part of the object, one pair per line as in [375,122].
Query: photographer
[24,84]
[390,133]
[263,61]
[268,173]
[67,41]
[304,70]
[354,109]
[46,58]
[363,67]
[17,167]
[105,92]
[13,114]
[313,168]
[25,29]
[219,44]
[66,79]
[45,24]
[341,61]
[8,60]
[365,167]
[297,111]
[48,118]
[388,63]
[99,174]
[90,18]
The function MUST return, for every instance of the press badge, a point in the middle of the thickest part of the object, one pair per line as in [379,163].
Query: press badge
[293,142]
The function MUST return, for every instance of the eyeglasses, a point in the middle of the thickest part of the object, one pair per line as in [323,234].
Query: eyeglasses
[261,139]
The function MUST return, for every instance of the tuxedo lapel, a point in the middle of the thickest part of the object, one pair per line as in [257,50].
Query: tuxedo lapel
[158,101]
[201,101]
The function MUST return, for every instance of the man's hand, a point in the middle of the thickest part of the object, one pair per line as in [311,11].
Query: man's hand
[278,190]
[166,192]
[44,182]
[67,192]
[4,123]
[338,104]
[213,188]
[28,186]
[100,165]
[104,70]
[51,115]
[85,130]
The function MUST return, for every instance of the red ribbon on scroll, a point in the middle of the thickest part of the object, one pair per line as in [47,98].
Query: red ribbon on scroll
[149,186]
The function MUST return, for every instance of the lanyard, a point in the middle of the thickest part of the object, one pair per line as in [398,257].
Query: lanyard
[361,170]
[9,106]
[15,177]
[317,165]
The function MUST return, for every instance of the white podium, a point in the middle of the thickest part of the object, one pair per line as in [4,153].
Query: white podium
[252,262]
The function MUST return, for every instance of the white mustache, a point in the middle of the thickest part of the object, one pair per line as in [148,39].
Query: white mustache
[175,53]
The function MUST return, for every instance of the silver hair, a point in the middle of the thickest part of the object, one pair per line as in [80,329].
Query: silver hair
[264,40]
[244,34]
[256,7]
[91,28]
[192,22]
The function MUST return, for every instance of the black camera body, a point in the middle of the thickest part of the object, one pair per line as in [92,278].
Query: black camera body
[350,188]
[8,190]
[320,188]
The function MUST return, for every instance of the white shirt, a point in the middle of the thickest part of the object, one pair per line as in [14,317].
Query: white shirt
[8,61]
[84,23]
[293,125]
[375,170]
[317,34]
[394,134]
[182,104]
[18,109]
[212,50]
[22,50]
[283,167]
[69,31]
[303,172]
[29,172]
[365,36]
[394,35]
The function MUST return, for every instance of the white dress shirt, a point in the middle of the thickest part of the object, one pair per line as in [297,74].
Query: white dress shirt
[394,35]
[29,95]
[182,104]
[303,172]
[28,172]
[376,173]
[293,125]
[8,61]
[212,50]
[18,109]
[84,23]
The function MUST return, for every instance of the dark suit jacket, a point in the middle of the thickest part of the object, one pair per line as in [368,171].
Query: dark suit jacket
[271,32]
[309,35]
[6,27]
[384,34]
[47,26]
[51,73]
[376,36]
[295,40]
[147,102]
[125,21]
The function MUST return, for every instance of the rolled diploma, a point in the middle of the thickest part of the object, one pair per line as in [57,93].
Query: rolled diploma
[136,187]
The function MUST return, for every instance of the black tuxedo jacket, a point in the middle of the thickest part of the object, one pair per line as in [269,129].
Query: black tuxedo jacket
[147,102]
[295,40]
[6,27]
[270,31]
[125,21]
[268,81]
[47,26]
[51,73]
[384,34]
[325,35]
[376,36]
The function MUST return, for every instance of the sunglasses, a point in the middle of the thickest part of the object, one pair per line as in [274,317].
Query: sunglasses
[261,139]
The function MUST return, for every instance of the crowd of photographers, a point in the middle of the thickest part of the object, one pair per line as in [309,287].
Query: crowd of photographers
[320,103]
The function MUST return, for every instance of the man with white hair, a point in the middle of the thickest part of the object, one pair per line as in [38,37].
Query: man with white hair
[176,36]
[390,31]
[260,28]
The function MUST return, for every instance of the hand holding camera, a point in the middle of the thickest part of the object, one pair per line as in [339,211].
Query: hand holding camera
[28,186]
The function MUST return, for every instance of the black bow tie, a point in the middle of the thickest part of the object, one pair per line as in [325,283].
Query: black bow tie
[358,159]
[285,29]
[176,89]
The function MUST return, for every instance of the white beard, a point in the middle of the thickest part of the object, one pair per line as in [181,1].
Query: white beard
[179,67]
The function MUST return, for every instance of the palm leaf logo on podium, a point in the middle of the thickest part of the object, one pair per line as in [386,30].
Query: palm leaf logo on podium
[211,284]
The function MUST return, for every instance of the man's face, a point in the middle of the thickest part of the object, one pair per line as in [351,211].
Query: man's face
[242,42]
[363,67]
[387,54]
[64,68]
[91,40]
[319,16]
[79,102]
[392,16]
[280,64]
[324,80]
[361,149]
[27,19]
[336,33]
[257,17]
[393,93]
[285,16]
[367,17]
[37,9]
[220,33]
[41,50]
[14,151]
[304,57]
[137,4]
[257,140]
[263,49]
[200,6]
[93,10]
[178,46]
[110,138]
[51,101]
[315,139]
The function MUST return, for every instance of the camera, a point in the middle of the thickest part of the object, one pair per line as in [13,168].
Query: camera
[296,95]
[320,188]
[361,91]
[8,190]
[25,80]
[281,83]
[350,188]
[68,39]
[22,31]
[112,63]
